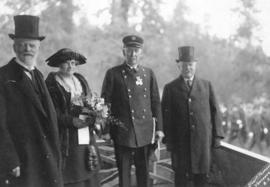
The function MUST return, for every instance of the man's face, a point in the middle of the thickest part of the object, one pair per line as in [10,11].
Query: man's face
[132,55]
[188,69]
[68,67]
[26,50]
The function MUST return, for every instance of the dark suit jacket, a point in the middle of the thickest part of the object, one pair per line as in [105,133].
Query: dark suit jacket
[135,100]
[28,131]
[191,123]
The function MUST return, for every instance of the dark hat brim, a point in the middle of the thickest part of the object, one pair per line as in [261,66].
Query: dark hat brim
[13,36]
[63,55]
[137,45]
[56,64]
[186,60]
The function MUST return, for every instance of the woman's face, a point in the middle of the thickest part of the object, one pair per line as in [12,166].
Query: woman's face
[68,67]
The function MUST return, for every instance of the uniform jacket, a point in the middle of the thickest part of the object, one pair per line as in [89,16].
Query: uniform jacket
[134,99]
[191,123]
[28,131]
[74,155]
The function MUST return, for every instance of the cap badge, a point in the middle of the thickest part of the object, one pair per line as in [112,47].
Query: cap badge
[133,38]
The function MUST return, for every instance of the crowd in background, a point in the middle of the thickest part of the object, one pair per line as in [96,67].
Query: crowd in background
[247,124]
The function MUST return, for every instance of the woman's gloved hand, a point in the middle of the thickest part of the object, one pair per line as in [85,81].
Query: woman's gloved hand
[91,119]
[78,123]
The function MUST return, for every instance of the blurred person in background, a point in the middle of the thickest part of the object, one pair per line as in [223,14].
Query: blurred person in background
[29,142]
[69,91]
[191,122]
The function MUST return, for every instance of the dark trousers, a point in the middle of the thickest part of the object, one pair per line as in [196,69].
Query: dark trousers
[195,180]
[125,157]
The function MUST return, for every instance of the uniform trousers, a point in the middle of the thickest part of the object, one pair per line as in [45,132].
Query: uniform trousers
[125,157]
[195,180]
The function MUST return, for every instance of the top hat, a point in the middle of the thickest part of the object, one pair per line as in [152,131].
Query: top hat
[186,54]
[26,26]
[63,55]
[133,41]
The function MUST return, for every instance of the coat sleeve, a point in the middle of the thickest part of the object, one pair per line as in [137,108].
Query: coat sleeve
[107,87]
[167,116]
[64,120]
[9,158]
[155,101]
[215,116]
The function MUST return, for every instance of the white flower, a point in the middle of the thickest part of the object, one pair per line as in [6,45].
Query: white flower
[99,106]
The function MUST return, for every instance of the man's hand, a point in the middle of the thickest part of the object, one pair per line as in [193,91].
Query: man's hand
[16,172]
[216,143]
[159,135]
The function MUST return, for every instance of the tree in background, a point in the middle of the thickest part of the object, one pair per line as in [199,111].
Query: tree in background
[233,68]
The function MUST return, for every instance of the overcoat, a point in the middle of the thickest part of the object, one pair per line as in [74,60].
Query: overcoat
[192,122]
[134,99]
[28,131]
[74,156]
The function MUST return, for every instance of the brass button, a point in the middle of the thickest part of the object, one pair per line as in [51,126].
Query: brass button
[144,110]
[191,113]
[144,96]
[132,111]
[143,117]
[189,99]
[129,96]
[129,90]
[133,117]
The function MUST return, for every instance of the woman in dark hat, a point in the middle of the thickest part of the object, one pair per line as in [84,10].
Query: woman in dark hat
[68,91]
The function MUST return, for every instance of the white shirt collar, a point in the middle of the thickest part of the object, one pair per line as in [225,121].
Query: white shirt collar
[135,66]
[189,79]
[23,65]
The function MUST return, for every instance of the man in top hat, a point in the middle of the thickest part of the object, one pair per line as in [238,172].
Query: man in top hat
[191,122]
[132,91]
[29,144]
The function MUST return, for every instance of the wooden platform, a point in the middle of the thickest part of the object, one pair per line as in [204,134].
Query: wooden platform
[233,167]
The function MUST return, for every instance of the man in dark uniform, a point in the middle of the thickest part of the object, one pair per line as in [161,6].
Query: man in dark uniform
[132,91]
[192,122]
[29,144]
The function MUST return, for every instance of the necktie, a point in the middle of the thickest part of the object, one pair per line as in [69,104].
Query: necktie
[189,83]
[33,78]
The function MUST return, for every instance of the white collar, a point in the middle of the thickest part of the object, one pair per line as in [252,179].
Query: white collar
[132,67]
[23,65]
[191,79]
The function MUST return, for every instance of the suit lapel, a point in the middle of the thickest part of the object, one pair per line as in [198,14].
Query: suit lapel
[24,85]
[195,87]
[182,86]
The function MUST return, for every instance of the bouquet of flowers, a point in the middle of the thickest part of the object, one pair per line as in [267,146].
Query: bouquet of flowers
[104,119]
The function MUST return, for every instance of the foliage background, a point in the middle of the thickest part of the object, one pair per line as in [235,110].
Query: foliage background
[238,69]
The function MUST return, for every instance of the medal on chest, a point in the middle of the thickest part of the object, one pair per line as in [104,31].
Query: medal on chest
[139,81]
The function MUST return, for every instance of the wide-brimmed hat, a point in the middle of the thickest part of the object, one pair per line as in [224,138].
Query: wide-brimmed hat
[133,41]
[26,26]
[63,55]
[186,54]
